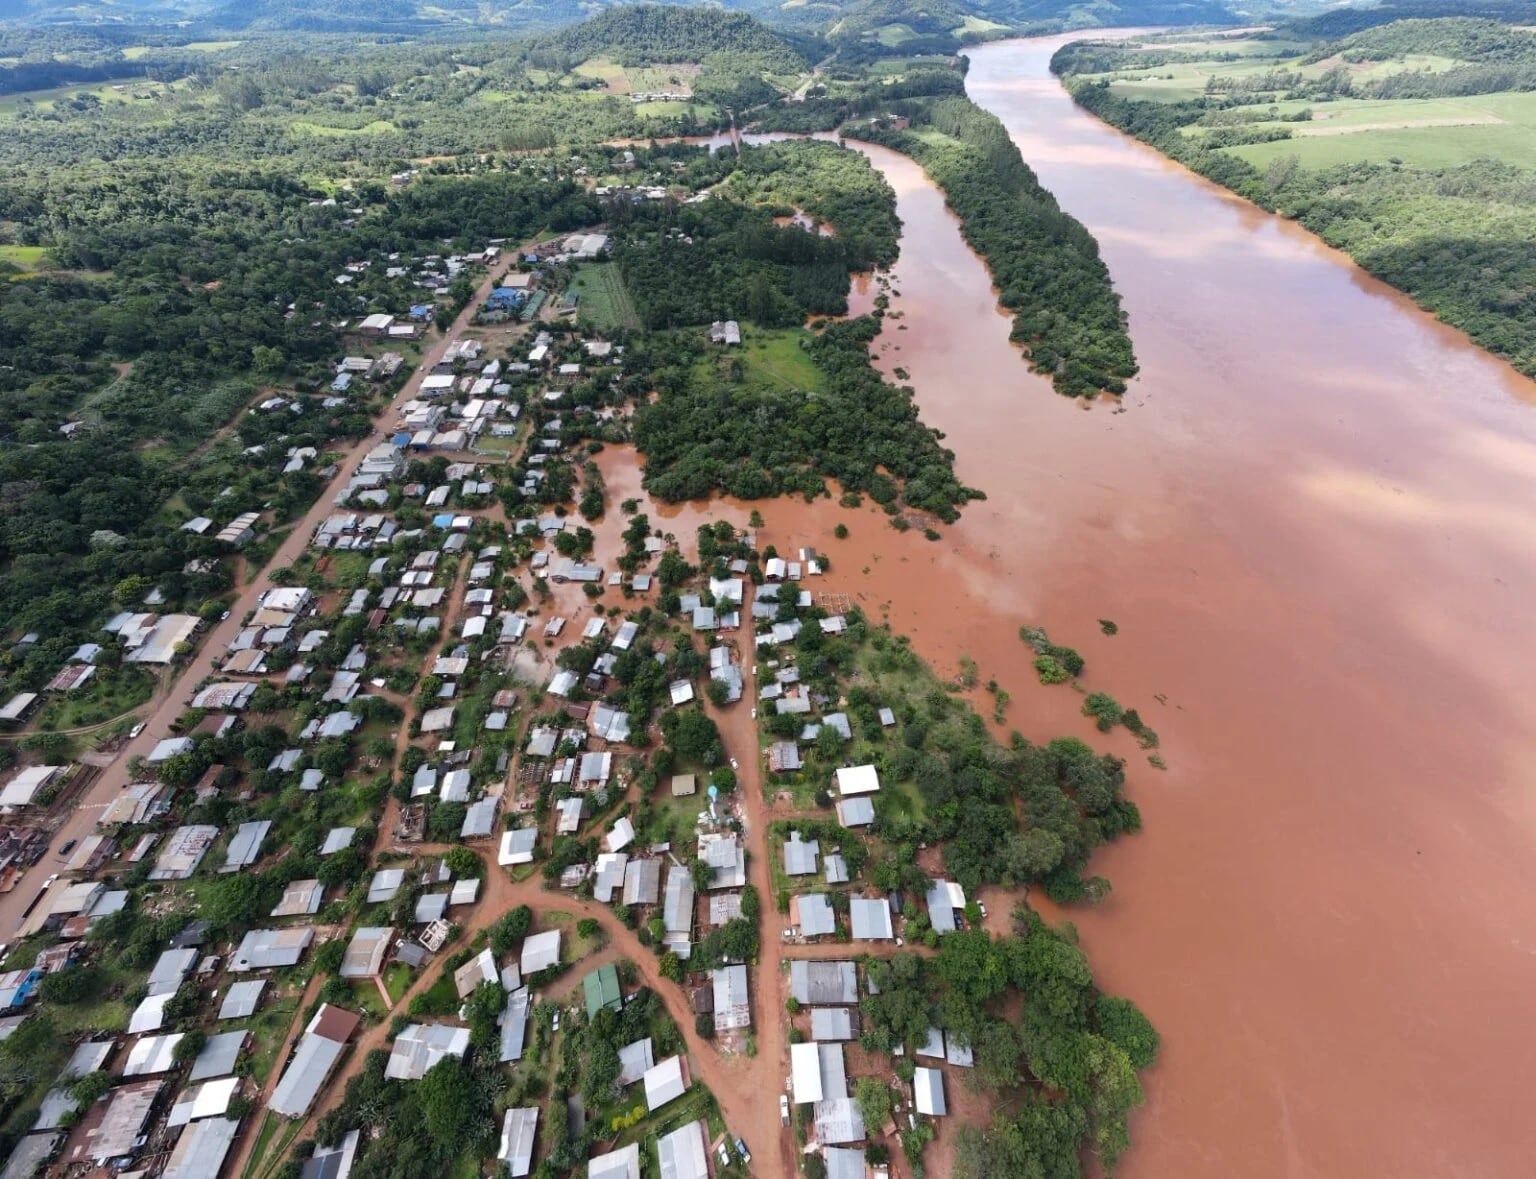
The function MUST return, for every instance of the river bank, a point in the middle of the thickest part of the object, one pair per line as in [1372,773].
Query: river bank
[1310,527]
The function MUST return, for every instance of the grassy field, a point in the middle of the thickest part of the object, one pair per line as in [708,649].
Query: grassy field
[28,259]
[107,696]
[373,128]
[605,301]
[775,358]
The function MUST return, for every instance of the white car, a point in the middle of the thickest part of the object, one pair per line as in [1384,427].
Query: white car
[783,1110]
[136,730]
[735,765]
[557,1019]
[754,714]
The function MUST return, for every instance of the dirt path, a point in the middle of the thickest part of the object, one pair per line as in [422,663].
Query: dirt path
[171,701]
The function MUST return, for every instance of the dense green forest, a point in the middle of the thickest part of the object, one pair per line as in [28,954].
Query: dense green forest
[709,431]
[1452,232]
[663,33]
[1046,265]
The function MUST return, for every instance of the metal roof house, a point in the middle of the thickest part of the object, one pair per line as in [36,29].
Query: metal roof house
[665,1082]
[642,882]
[514,1025]
[635,1060]
[818,983]
[262,949]
[601,988]
[943,899]
[517,1132]
[242,999]
[857,780]
[855,812]
[805,1072]
[201,1149]
[871,919]
[834,1023]
[812,914]
[617,1164]
[800,856]
[517,846]
[421,1046]
[733,1006]
[220,1055]
[386,885]
[677,912]
[928,1092]
[540,951]
[319,1049]
[684,1153]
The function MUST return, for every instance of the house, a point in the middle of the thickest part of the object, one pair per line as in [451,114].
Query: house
[219,1057]
[517,846]
[202,1147]
[517,1132]
[478,970]
[857,780]
[855,812]
[943,899]
[665,1082]
[834,1023]
[617,1164]
[784,757]
[726,858]
[928,1092]
[540,951]
[365,954]
[318,1050]
[514,1024]
[634,1061]
[812,914]
[684,1153]
[242,999]
[733,1008]
[727,332]
[333,1162]
[420,1046]
[805,1072]
[301,898]
[601,987]
[245,846]
[610,876]
[621,835]
[386,885]
[27,784]
[799,856]
[817,983]
[642,882]
[263,949]
[183,852]
[677,910]
[871,919]
[118,1132]
[684,785]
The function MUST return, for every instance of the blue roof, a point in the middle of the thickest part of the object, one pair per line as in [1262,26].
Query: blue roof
[421,311]
[443,520]
[401,439]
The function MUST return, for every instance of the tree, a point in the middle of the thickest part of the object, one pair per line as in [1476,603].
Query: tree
[1122,1024]
[73,984]
[693,736]
[91,1087]
[874,1100]
[671,967]
[448,1101]
[189,1047]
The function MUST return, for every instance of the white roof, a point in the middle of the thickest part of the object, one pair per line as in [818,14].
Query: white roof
[665,1082]
[421,1046]
[805,1070]
[517,846]
[517,1131]
[623,1163]
[684,1153]
[857,780]
[540,950]
[928,1091]
[152,1054]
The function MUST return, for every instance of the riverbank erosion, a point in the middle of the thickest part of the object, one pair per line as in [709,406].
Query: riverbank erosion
[1314,546]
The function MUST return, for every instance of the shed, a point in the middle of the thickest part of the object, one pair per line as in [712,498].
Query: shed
[517,1132]
[928,1092]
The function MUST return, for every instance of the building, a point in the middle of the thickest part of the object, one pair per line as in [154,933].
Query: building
[601,987]
[871,919]
[665,1082]
[333,1162]
[733,1006]
[242,999]
[857,780]
[684,1153]
[799,856]
[812,914]
[421,1046]
[821,983]
[855,812]
[928,1092]
[183,852]
[944,898]
[245,846]
[517,1132]
[21,790]
[540,951]
[263,949]
[321,1046]
[618,1164]
[366,952]
[834,1023]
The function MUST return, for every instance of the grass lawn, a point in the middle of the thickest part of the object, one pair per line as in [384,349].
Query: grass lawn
[373,128]
[268,1029]
[605,301]
[397,980]
[29,258]
[366,994]
[774,357]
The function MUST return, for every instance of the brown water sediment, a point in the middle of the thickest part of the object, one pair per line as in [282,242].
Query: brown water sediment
[1313,527]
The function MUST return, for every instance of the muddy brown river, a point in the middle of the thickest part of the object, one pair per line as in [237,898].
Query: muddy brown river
[1315,526]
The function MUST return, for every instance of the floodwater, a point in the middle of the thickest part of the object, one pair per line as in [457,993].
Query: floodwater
[1315,526]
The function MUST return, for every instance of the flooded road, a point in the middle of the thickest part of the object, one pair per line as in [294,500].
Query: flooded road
[1315,526]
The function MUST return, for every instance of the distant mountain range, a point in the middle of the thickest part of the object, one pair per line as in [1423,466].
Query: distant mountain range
[849,19]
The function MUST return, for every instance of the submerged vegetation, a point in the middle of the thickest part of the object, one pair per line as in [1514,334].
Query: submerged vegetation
[1045,263]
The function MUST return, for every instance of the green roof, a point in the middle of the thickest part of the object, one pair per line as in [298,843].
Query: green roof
[602,987]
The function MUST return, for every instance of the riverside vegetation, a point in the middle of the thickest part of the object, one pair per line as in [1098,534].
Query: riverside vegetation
[1406,143]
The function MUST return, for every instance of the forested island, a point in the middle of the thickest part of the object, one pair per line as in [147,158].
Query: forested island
[1399,138]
